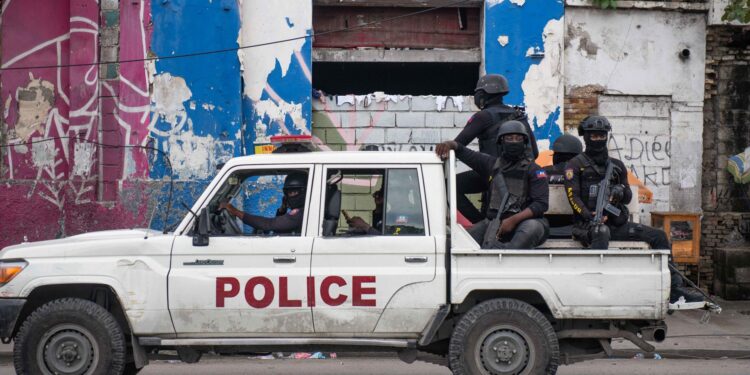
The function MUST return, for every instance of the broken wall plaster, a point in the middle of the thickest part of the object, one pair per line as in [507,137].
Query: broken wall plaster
[168,97]
[543,84]
[266,21]
[34,103]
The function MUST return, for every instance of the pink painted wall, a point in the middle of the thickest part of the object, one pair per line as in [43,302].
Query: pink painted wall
[68,186]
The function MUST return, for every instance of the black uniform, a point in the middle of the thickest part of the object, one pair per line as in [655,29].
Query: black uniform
[484,125]
[560,226]
[284,223]
[527,184]
[581,174]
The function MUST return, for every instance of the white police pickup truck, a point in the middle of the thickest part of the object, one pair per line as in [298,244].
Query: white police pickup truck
[414,281]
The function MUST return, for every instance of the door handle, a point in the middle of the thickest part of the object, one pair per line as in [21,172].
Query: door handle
[205,262]
[411,259]
[286,259]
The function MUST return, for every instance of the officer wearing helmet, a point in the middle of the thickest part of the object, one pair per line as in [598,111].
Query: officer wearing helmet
[564,148]
[523,224]
[583,176]
[289,215]
[484,126]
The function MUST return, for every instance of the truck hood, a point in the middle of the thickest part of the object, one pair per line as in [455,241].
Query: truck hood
[63,246]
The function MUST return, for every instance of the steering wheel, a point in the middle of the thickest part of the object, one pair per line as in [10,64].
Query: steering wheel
[230,221]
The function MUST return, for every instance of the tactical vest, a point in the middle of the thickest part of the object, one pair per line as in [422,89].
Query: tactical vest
[499,115]
[515,182]
[591,178]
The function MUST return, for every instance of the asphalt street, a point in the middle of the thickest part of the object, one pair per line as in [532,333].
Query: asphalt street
[392,366]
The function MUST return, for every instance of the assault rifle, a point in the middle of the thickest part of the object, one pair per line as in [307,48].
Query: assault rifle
[599,231]
[492,234]
[603,196]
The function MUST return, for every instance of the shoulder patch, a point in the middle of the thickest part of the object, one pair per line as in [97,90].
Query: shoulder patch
[294,211]
[569,174]
[541,173]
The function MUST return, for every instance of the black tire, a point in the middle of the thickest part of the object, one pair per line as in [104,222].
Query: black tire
[73,335]
[503,336]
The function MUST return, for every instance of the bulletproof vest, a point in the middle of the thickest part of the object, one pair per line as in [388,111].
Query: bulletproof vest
[556,173]
[515,181]
[591,178]
[488,139]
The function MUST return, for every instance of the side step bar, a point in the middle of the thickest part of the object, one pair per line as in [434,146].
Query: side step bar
[384,343]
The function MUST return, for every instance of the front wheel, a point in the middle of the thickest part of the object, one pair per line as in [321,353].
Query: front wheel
[503,337]
[72,337]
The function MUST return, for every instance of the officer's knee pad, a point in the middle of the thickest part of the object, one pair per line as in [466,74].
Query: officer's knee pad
[600,236]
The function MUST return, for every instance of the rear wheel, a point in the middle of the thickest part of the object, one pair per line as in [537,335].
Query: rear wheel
[72,337]
[503,337]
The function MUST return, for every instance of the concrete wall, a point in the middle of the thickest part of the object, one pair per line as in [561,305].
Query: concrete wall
[654,96]
[388,122]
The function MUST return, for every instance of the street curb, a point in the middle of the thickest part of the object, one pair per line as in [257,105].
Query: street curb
[684,354]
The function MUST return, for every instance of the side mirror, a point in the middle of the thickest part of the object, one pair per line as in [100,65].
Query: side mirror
[203,227]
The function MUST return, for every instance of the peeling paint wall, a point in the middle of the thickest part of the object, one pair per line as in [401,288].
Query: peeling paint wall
[197,111]
[524,41]
[654,96]
[277,78]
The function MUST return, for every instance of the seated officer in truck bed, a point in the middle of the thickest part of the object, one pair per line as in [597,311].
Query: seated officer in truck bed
[523,224]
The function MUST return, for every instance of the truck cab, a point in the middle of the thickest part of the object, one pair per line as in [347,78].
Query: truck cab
[409,280]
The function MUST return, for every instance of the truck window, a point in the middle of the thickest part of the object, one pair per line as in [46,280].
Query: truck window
[373,202]
[259,195]
[403,203]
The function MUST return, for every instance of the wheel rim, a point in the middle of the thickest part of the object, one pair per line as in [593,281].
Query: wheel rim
[504,350]
[67,349]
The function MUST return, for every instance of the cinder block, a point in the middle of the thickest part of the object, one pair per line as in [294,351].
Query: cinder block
[364,202]
[319,104]
[460,119]
[355,120]
[370,135]
[425,103]
[449,134]
[383,119]
[648,108]
[427,136]
[320,133]
[655,126]
[109,54]
[398,136]
[325,120]
[610,107]
[403,104]
[343,107]
[110,4]
[410,119]
[109,37]
[439,120]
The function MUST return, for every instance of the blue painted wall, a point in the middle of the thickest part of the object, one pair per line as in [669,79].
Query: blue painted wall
[524,26]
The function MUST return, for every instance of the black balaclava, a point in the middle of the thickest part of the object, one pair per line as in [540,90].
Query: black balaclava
[562,157]
[482,99]
[596,150]
[514,151]
[297,201]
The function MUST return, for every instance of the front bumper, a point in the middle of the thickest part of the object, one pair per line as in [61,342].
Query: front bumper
[10,308]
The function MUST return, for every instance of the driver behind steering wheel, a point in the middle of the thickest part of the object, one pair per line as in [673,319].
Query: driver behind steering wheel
[289,215]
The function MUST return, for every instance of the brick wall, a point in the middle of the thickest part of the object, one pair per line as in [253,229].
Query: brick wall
[725,133]
[388,123]
[579,103]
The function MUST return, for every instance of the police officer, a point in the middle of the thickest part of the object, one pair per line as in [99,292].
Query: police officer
[523,225]
[565,147]
[583,176]
[484,125]
[289,215]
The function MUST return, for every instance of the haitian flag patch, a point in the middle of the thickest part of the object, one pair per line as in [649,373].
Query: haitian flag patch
[541,174]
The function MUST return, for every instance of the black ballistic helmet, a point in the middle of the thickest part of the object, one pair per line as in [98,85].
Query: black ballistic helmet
[594,124]
[295,180]
[512,127]
[493,84]
[567,144]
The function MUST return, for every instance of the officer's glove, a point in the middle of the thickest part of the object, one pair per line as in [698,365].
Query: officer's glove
[616,193]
